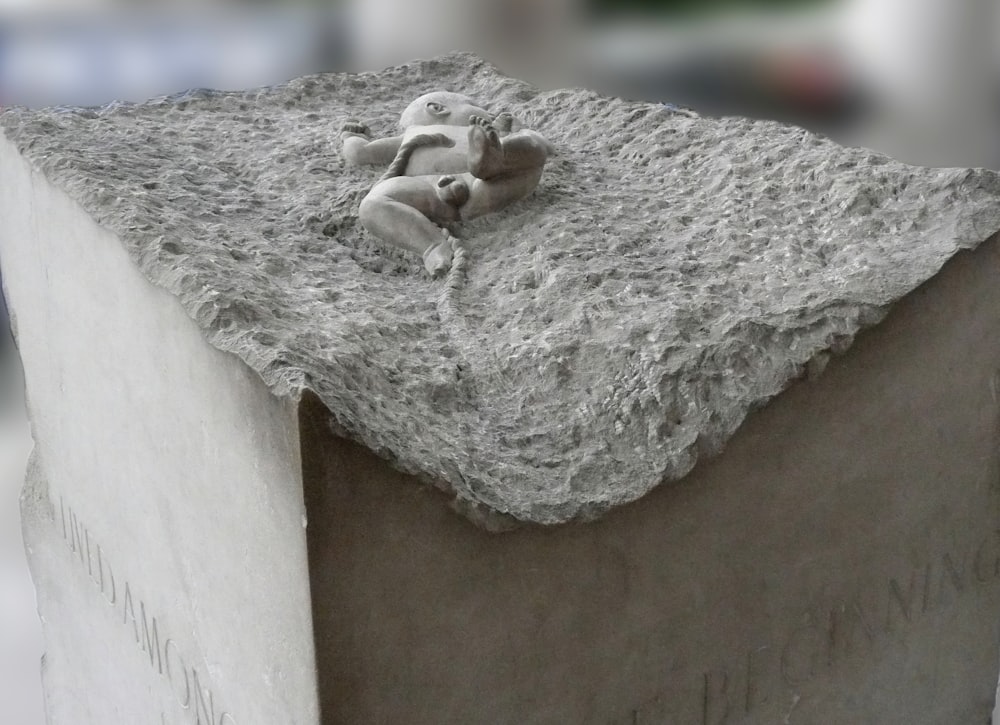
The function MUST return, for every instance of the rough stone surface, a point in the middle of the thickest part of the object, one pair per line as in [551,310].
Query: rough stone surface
[670,273]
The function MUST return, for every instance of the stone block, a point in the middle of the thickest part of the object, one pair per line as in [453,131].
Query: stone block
[838,562]
[708,436]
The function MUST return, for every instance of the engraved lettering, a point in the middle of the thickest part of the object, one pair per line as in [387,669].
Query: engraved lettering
[847,628]
[101,566]
[76,542]
[951,574]
[90,559]
[715,701]
[845,622]
[200,707]
[171,673]
[904,604]
[166,660]
[129,612]
[151,640]
[62,515]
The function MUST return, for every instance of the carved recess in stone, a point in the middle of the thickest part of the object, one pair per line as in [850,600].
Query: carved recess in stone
[667,275]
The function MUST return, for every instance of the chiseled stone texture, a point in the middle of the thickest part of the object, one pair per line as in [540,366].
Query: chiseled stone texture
[838,563]
[670,273]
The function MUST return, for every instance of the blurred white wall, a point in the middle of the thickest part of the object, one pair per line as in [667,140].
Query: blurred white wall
[94,57]
[932,69]
[532,39]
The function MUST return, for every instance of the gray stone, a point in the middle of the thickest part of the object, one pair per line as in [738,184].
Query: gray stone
[453,162]
[163,516]
[669,275]
[210,547]
[838,563]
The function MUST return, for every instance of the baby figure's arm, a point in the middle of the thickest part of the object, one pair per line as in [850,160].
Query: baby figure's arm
[359,148]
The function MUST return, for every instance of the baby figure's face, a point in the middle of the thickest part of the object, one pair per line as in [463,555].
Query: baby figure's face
[441,108]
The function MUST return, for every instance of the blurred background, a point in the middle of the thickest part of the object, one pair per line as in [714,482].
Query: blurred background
[916,79]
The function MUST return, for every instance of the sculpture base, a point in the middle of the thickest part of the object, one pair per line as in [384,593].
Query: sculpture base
[839,562]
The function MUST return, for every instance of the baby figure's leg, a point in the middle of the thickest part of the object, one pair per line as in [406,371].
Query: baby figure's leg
[408,211]
[491,156]
[504,169]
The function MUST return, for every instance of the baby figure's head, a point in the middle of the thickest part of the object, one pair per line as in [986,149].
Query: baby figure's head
[441,108]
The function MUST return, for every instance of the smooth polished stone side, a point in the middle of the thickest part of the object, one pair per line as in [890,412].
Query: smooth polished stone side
[164,514]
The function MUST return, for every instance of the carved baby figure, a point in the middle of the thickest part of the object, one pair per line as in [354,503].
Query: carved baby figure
[454,161]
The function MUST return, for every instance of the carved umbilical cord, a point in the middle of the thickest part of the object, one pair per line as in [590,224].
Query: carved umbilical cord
[406,149]
[455,280]
[447,302]
[456,275]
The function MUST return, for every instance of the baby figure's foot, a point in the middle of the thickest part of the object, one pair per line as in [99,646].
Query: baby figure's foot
[485,149]
[437,258]
[505,123]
